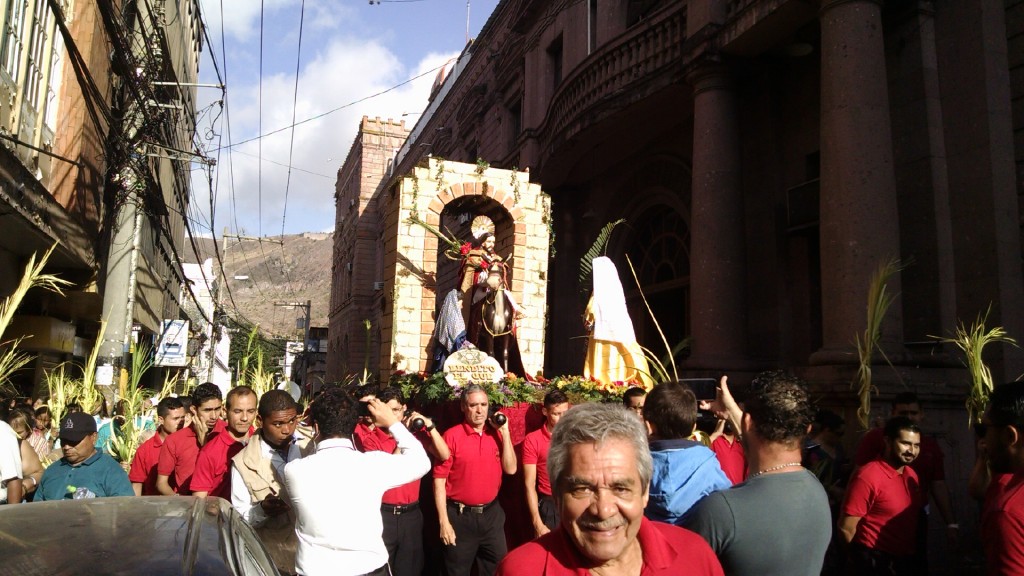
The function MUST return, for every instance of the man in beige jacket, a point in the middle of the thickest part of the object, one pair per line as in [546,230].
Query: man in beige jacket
[257,473]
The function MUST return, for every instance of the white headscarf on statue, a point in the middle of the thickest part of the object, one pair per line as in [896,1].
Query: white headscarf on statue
[611,319]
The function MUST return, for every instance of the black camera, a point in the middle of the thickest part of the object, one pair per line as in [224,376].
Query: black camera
[363,408]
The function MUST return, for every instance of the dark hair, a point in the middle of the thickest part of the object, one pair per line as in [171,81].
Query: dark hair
[72,407]
[186,402]
[274,401]
[554,398]
[167,405]
[826,419]
[204,393]
[42,411]
[239,391]
[335,412]
[671,408]
[388,394]
[894,425]
[1006,405]
[780,407]
[905,398]
[633,392]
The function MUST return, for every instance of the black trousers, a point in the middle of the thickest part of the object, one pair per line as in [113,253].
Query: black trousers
[864,561]
[479,537]
[403,537]
[548,511]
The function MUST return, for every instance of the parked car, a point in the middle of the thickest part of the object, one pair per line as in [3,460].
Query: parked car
[148,536]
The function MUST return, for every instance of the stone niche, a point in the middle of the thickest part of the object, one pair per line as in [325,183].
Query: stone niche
[417,274]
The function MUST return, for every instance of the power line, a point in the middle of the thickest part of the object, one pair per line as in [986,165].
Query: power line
[259,149]
[295,107]
[339,108]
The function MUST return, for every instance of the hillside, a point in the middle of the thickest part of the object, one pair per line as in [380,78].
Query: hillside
[260,273]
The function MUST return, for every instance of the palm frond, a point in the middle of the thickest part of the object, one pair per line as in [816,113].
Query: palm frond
[657,326]
[598,248]
[452,244]
[972,341]
[879,301]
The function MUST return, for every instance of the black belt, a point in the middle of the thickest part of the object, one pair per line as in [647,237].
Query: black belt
[466,508]
[398,509]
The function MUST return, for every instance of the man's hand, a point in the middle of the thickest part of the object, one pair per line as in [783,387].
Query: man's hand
[273,505]
[380,412]
[447,534]
[427,422]
[724,406]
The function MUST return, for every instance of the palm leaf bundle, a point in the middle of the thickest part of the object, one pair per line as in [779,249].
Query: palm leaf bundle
[972,341]
[879,301]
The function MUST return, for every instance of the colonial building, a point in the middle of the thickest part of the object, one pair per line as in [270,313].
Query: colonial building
[87,91]
[767,156]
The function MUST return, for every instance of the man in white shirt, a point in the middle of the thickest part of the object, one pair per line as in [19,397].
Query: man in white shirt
[337,491]
[10,466]
[257,477]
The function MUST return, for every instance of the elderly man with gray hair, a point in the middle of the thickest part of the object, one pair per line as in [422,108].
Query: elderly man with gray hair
[600,468]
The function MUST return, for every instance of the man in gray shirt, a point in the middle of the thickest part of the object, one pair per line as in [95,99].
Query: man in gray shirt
[777,522]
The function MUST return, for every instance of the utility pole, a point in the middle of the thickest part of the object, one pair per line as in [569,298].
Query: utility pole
[305,336]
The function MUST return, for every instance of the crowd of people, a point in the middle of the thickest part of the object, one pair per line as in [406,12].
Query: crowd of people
[336,488]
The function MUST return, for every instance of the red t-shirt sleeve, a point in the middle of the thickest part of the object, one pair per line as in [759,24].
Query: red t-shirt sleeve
[165,463]
[139,471]
[858,497]
[530,452]
[442,469]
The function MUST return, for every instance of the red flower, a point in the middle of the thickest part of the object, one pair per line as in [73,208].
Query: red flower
[464,249]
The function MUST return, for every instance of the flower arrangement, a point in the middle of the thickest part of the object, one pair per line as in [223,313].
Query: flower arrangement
[422,389]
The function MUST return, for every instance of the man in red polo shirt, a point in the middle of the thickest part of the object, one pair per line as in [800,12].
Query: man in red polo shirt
[535,465]
[601,467]
[879,514]
[180,450]
[931,471]
[1002,517]
[466,488]
[213,466]
[170,416]
[400,507]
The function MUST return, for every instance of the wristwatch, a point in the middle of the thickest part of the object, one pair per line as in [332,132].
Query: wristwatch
[428,429]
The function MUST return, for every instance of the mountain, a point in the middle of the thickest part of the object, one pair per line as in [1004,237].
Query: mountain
[264,271]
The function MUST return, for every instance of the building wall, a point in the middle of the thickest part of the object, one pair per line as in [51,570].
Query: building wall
[356,266]
[765,172]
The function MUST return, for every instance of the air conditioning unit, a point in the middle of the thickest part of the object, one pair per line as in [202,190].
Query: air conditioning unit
[378,286]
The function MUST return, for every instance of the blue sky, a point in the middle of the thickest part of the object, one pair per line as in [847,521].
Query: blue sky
[351,49]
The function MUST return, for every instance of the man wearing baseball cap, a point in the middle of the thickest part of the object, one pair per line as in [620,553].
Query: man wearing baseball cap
[83,472]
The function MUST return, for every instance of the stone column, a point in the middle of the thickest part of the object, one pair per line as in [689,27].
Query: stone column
[717,282]
[858,222]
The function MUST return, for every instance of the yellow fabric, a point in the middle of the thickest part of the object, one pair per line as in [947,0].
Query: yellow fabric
[616,362]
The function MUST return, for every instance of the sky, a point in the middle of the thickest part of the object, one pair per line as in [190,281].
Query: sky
[350,50]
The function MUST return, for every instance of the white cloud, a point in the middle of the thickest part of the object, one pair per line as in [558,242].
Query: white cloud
[341,72]
[242,17]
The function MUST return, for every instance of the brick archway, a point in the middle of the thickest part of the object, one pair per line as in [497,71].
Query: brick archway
[410,263]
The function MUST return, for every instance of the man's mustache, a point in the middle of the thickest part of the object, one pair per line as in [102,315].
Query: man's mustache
[600,525]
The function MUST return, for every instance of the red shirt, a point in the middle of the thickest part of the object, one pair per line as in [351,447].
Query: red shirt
[474,468]
[178,457]
[214,464]
[1002,525]
[928,464]
[667,551]
[535,451]
[888,504]
[362,436]
[378,439]
[144,465]
[731,458]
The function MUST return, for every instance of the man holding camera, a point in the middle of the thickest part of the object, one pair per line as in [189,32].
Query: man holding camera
[466,488]
[337,491]
[400,507]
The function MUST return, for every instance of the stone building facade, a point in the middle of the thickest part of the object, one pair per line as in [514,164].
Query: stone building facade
[767,155]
